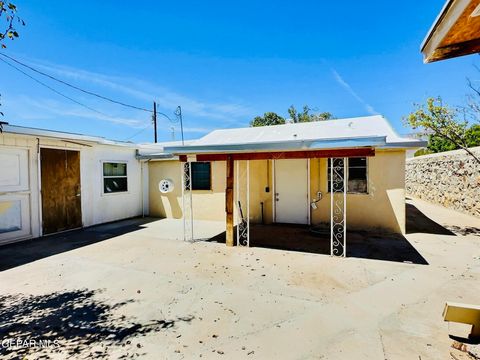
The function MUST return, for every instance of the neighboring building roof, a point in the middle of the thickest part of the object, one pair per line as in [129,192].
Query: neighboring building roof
[65,136]
[156,151]
[371,131]
[455,32]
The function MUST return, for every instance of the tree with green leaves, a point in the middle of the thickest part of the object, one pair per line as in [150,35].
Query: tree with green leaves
[268,119]
[473,136]
[9,19]
[306,116]
[271,118]
[442,125]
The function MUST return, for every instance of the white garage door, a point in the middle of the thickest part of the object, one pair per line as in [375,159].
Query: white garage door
[14,194]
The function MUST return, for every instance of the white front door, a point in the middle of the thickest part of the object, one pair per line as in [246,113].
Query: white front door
[291,191]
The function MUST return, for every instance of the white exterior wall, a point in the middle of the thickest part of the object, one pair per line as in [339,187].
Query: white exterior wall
[97,207]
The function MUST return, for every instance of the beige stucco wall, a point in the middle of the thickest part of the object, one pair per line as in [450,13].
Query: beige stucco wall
[260,179]
[207,204]
[383,207]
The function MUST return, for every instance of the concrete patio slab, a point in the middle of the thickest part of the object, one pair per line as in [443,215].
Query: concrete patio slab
[135,290]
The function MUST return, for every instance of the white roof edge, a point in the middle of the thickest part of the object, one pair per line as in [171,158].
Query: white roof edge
[28,131]
[437,20]
[406,142]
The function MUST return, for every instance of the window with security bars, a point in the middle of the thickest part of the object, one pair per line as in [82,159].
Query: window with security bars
[356,175]
[201,176]
[114,177]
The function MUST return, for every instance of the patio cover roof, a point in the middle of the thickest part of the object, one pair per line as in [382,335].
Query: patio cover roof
[369,131]
[455,32]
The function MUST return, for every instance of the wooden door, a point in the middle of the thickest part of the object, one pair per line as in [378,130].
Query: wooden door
[61,201]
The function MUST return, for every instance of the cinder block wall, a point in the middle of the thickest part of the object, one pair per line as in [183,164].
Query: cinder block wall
[450,179]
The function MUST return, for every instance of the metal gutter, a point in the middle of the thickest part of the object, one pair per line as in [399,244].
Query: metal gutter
[155,156]
[292,145]
[405,144]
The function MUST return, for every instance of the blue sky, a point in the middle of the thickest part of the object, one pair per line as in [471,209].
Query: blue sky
[223,62]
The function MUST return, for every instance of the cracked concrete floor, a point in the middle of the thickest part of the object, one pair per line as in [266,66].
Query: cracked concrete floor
[234,303]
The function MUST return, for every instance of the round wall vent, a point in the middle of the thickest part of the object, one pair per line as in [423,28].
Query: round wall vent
[165,186]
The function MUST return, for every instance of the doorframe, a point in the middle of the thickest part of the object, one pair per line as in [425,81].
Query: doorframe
[39,177]
[274,203]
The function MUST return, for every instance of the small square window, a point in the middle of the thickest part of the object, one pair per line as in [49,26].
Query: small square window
[114,177]
[356,175]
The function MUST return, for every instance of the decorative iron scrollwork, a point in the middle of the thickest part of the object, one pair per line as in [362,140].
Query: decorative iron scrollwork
[338,206]
[187,202]
[243,204]
[243,228]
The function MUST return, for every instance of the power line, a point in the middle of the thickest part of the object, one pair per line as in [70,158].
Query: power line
[76,87]
[138,132]
[54,90]
[177,113]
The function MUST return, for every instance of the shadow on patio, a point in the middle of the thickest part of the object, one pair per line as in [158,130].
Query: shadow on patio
[418,222]
[24,252]
[72,324]
[360,244]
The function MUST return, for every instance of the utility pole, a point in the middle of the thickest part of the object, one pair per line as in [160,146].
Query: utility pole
[154,119]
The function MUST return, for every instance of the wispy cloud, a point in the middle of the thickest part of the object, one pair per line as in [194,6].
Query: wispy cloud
[369,108]
[146,92]
[45,108]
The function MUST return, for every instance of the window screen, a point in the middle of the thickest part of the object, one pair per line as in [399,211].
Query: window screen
[201,176]
[114,177]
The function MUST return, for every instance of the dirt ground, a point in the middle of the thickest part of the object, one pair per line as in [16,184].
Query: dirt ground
[134,289]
